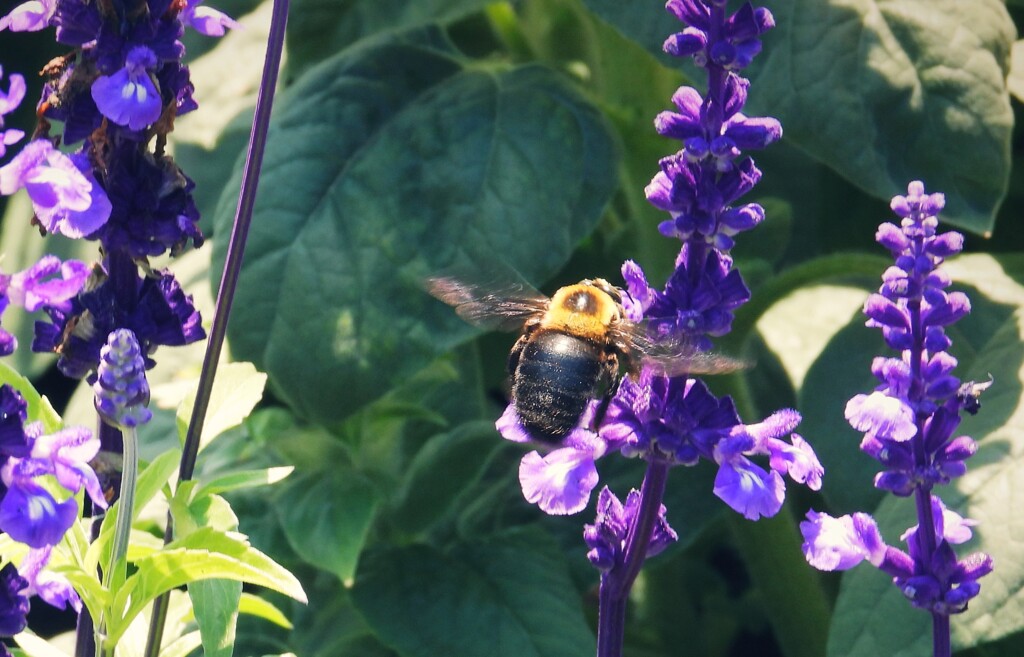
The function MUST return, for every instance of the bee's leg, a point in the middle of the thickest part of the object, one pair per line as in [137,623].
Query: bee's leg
[517,348]
[609,382]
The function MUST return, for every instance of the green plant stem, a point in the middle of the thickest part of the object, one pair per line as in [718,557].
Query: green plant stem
[117,570]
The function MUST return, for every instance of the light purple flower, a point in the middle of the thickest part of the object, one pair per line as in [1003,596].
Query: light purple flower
[29,512]
[53,588]
[798,460]
[64,195]
[129,97]
[49,282]
[207,20]
[560,482]
[29,17]
[882,416]
[69,451]
[749,489]
[841,543]
[8,103]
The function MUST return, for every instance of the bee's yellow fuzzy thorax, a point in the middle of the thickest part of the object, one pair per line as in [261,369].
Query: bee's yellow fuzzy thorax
[581,310]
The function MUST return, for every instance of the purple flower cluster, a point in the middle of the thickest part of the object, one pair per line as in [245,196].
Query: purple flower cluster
[116,95]
[30,511]
[910,419]
[104,177]
[677,420]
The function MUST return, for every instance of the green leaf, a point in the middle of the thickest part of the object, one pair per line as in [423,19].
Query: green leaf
[420,601]
[253,605]
[388,163]
[35,646]
[871,616]
[446,466]
[1015,80]
[237,389]
[326,517]
[154,477]
[921,83]
[38,407]
[239,480]
[215,602]
[204,554]
[318,29]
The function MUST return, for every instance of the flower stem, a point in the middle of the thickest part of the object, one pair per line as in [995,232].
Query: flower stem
[229,280]
[940,635]
[616,583]
[117,569]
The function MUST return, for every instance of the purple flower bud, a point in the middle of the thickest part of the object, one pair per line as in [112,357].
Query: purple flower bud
[688,42]
[607,536]
[692,12]
[121,390]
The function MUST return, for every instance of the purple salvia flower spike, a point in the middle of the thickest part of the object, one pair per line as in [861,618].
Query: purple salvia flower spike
[910,420]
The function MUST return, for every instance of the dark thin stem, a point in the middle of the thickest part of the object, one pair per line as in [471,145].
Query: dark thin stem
[229,280]
[615,585]
[239,233]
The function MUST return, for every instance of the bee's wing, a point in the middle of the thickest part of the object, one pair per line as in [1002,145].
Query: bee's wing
[673,354]
[494,306]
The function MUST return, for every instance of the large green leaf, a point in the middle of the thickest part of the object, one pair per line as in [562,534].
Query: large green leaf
[388,163]
[326,517]
[919,83]
[447,466]
[871,616]
[319,28]
[509,596]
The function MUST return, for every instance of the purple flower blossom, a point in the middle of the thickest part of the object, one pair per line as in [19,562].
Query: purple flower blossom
[29,513]
[64,194]
[49,282]
[559,482]
[30,16]
[841,543]
[14,604]
[206,20]
[8,103]
[129,97]
[53,588]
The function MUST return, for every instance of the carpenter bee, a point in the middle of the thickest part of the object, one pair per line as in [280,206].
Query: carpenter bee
[571,347]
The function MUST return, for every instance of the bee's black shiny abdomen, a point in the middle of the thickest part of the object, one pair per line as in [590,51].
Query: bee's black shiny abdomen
[557,374]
